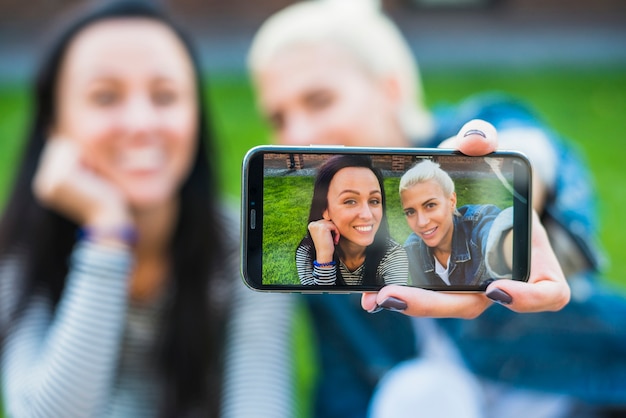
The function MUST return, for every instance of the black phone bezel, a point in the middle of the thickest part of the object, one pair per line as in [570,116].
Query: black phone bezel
[252,206]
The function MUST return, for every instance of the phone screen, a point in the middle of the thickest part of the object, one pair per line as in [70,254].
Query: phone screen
[355,219]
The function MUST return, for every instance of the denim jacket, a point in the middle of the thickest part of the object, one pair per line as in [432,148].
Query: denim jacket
[571,205]
[579,351]
[470,245]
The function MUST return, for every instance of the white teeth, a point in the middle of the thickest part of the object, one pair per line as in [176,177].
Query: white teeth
[142,159]
[364,228]
[429,232]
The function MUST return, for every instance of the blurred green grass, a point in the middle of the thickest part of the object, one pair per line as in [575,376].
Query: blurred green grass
[585,105]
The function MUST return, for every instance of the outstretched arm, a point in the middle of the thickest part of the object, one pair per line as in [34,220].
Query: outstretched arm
[546,289]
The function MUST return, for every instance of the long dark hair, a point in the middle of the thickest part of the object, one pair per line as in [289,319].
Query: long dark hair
[189,353]
[319,203]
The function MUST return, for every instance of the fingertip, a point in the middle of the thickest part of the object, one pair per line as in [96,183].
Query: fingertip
[519,296]
[477,137]
[368,301]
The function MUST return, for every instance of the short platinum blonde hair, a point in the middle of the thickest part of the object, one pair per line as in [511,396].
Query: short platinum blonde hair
[424,171]
[363,31]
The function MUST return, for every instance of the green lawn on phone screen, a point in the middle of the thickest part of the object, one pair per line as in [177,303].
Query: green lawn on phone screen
[285,219]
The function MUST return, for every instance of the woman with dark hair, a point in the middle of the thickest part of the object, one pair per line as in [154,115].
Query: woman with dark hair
[348,241]
[116,268]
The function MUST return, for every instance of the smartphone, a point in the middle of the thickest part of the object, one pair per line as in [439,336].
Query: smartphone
[352,219]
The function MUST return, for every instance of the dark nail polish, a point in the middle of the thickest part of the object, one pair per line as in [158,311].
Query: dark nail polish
[393,304]
[500,296]
[475,132]
[376,309]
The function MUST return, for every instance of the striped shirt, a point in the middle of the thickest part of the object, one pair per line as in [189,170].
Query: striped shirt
[88,358]
[392,269]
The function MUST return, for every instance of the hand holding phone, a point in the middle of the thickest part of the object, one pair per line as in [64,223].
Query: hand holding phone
[545,290]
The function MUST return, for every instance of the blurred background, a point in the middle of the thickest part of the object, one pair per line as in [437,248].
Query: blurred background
[567,58]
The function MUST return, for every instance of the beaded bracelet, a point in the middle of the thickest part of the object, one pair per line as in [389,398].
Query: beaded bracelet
[126,234]
[329,264]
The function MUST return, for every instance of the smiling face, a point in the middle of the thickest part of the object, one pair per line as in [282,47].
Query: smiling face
[429,212]
[127,96]
[319,95]
[355,205]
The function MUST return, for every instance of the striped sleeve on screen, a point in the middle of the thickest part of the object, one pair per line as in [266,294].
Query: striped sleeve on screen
[394,267]
[310,275]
